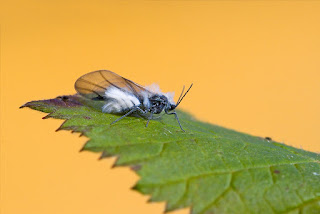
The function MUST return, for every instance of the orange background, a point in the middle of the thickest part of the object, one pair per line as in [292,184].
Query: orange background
[255,68]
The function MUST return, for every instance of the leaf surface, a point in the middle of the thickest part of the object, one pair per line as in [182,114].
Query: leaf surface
[210,168]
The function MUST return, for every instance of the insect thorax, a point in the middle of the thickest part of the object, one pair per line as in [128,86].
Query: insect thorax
[158,103]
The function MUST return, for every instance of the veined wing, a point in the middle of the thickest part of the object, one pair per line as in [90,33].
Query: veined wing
[94,84]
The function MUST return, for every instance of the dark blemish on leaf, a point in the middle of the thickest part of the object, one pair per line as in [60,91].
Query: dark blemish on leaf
[70,101]
[276,171]
[64,98]
[87,117]
[135,167]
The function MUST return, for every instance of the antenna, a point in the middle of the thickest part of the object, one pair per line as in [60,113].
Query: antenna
[179,100]
[180,95]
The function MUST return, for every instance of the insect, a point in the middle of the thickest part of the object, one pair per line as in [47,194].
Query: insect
[123,96]
[268,138]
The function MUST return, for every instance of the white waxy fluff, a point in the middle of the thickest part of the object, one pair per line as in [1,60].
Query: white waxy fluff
[156,89]
[119,101]
[170,96]
[146,102]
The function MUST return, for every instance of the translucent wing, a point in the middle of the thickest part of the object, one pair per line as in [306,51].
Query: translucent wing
[94,84]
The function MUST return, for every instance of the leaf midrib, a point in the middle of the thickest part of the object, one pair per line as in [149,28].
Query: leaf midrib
[222,172]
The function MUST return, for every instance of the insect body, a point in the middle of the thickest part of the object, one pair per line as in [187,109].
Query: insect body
[122,96]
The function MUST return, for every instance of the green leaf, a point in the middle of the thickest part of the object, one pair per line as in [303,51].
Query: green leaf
[210,168]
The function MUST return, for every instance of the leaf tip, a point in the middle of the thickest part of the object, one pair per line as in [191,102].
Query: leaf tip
[61,126]
[135,187]
[27,104]
[150,200]
[24,105]
[83,148]
[102,156]
[167,208]
[46,117]
[105,154]
[115,163]
[82,134]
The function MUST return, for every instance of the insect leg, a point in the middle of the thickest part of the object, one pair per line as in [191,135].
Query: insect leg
[128,113]
[149,119]
[141,111]
[177,118]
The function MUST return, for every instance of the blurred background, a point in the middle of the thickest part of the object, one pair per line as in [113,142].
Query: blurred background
[254,64]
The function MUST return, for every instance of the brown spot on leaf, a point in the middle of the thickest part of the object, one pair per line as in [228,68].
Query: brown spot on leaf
[70,101]
[276,171]
[64,98]
[136,167]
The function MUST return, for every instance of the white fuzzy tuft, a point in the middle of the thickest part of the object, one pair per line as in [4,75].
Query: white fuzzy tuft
[170,96]
[156,89]
[119,101]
